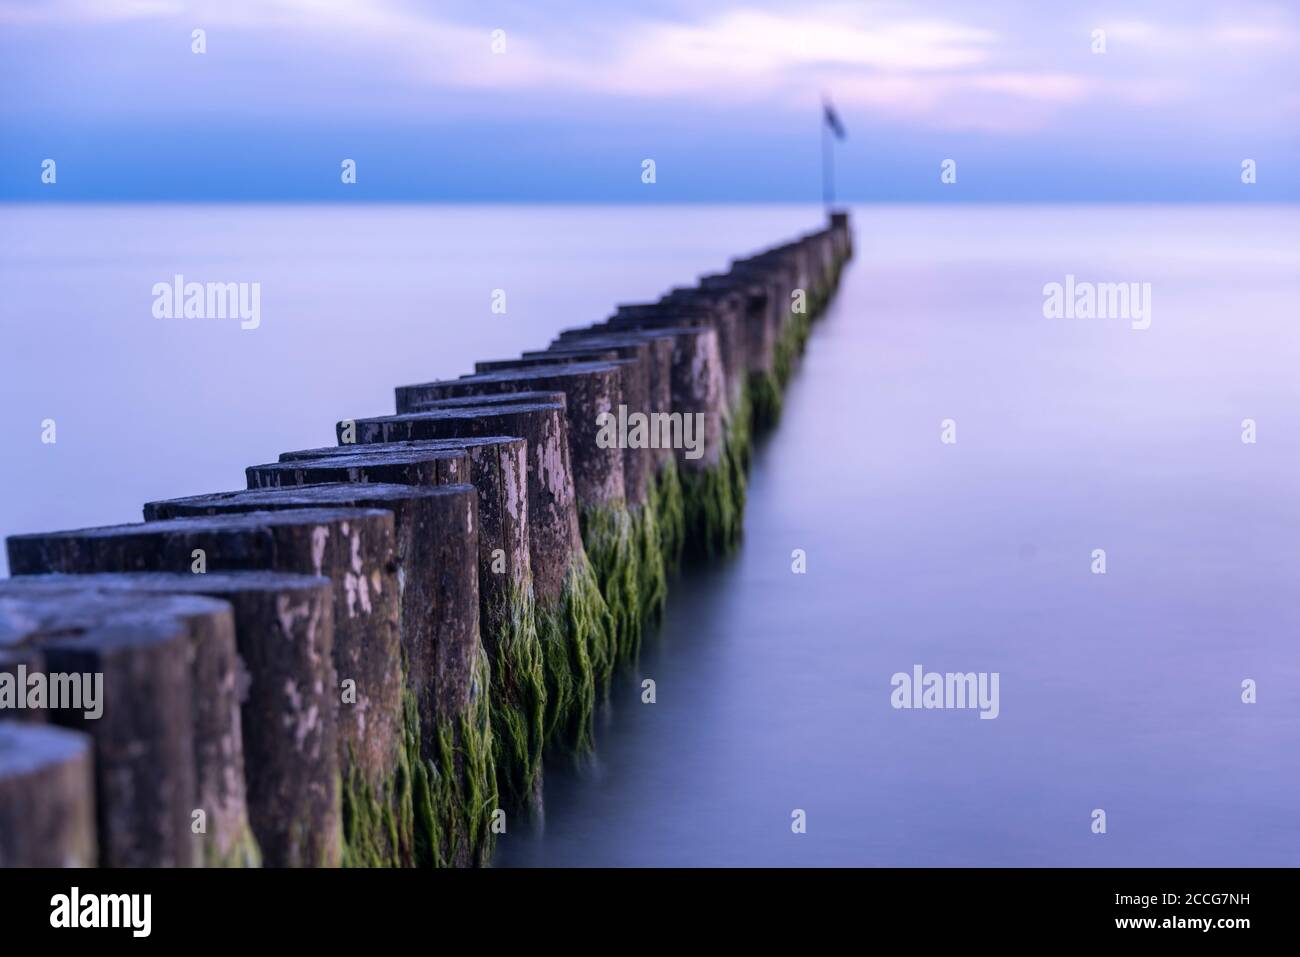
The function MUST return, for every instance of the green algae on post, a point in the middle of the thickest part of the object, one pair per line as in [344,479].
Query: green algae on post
[608,536]
[498,471]
[518,671]
[634,594]
[712,519]
[714,497]
[462,781]
[433,811]
[378,816]
[571,614]
[598,476]
[765,400]
[568,630]
[437,530]
[670,510]
[740,441]
[652,563]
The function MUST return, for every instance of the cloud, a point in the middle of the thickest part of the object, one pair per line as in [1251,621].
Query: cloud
[983,67]
[86,11]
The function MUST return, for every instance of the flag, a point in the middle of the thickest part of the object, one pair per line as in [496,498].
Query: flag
[833,120]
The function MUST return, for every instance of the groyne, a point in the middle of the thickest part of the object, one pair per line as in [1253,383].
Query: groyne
[369,655]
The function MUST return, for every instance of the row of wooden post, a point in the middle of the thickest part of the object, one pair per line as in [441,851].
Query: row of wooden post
[363,658]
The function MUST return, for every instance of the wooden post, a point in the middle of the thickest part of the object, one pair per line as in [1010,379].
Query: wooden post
[168,678]
[486,399]
[726,311]
[47,797]
[843,236]
[712,476]
[414,467]
[436,529]
[439,598]
[355,549]
[591,388]
[571,616]
[658,356]
[498,472]
[697,386]
[284,635]
[760,335]
[782,270]
[755,292]
[633,360]
[665,479]
[554,537]
[768,305]
[594,391]
[641,455]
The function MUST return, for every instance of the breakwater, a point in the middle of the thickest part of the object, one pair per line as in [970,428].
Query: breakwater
[449,590]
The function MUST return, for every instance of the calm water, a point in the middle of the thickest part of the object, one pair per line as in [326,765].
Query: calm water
[1119,692]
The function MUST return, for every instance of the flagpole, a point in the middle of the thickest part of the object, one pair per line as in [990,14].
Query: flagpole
[828,165]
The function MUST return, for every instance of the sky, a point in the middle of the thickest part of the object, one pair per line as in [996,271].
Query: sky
[563,101]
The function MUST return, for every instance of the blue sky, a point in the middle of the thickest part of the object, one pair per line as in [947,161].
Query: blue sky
[723,96]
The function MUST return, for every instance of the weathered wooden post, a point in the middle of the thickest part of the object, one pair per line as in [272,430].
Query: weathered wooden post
[725,309]
[820,253]
[760,335]
[843,236]
[47,797]
[823,246]
[594,390]
[666,484]
[792,256]
[713,484]
[572,619]
[355,549]
[804,250]
[427,467]
[635,390]
[544,358]
[499,398]
[634,419]
[436,533]
[507,618]
[284,635]
[780,278]
[166,725]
